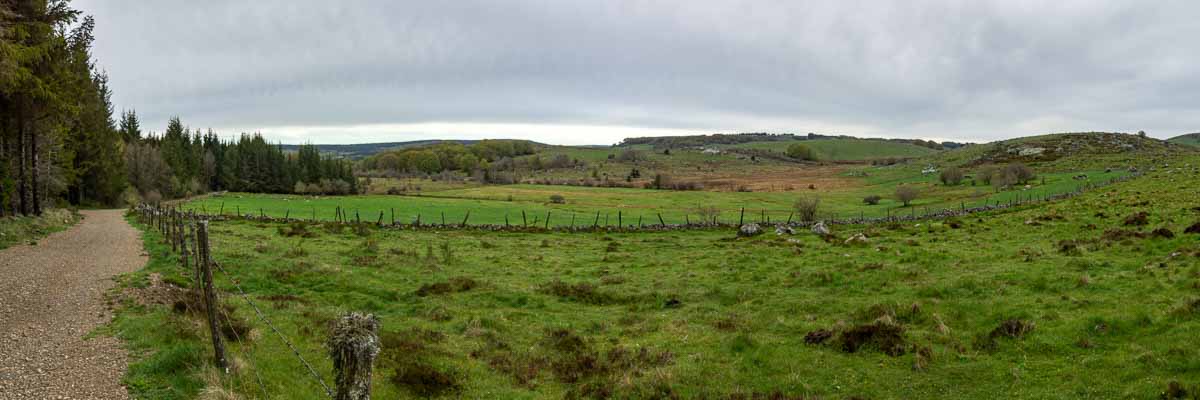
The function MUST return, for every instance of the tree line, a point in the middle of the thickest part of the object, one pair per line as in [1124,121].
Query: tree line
[60,143]
[478,156]
[57,139]
[182,162]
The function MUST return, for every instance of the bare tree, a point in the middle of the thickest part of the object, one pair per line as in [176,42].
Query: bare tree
[906,194]
[951,176]
[807,208]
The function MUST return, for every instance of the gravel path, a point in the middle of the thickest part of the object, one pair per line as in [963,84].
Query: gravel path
[51,296]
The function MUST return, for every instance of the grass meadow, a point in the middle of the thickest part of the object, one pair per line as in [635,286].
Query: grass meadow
[491,204]
[1070,299]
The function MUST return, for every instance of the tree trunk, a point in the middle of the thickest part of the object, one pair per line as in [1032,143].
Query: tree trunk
[22,188]
[33,178]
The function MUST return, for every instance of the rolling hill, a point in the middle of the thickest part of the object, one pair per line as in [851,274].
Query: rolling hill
[1192,139]
[362,150]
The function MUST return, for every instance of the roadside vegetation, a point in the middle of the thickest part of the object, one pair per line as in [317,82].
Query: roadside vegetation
[27,230]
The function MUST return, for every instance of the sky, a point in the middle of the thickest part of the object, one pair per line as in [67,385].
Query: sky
[594,72]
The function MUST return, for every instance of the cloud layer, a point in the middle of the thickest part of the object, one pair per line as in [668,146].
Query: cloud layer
[566,71]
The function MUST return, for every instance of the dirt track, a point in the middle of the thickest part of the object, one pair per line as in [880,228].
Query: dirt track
[51,296]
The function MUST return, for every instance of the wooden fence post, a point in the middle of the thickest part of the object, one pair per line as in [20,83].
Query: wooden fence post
[210,297]
[353,346]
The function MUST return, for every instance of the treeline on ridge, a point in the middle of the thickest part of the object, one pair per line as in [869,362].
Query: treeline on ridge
[483,155]
[660,142]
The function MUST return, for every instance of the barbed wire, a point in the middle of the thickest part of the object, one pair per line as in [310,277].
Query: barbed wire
[261,316]
[937,213]
[159,221]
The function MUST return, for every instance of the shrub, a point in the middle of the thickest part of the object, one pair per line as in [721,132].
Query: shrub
[153,197]
[807,208]
[630,155]
[951,176]
[985,174]
[906,194]
[1021,173]
[872,199]
[708,213]
[558,199]
[800,152]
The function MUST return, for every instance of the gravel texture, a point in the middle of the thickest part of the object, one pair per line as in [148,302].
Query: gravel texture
[52,295]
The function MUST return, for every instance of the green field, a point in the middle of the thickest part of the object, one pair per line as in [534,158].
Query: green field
[491,204]
[845,149]
[1057,300]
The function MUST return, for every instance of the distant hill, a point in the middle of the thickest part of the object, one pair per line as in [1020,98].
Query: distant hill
[844,149]
[1099,148]
[1189,139]
[723,139]
[363,150]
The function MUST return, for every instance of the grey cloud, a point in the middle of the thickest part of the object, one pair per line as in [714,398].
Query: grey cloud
[955,70]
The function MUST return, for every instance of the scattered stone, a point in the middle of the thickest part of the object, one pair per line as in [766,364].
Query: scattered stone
[821,230]
[749,230]
[858,239]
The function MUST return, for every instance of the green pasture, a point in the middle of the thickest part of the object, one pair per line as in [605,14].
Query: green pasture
[1076,304]
[491,204]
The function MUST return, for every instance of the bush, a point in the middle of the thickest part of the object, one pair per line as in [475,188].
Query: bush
[708,214]
[130,197]
[807,208]
[558,199]
[951,176]
[906,194]
[800,152]
[630,155]
[1020,172]
[872,199]
[153,197]
[985,174]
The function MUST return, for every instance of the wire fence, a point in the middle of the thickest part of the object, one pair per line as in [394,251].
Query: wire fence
[621,221]
[187,234]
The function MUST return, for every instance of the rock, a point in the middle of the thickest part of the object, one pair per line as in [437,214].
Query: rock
[858,239]
[748,230]
[1031,151]
[784,230]
[821,230]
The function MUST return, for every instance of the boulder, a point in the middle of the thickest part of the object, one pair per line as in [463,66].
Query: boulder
[820,229]
[784,230]
[858,239]
[1030,151]
[748,230]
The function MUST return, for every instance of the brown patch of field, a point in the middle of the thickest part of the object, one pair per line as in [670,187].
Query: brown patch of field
[775,178]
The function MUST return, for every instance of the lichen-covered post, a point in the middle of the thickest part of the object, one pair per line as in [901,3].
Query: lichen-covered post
[353,345]
[210,297]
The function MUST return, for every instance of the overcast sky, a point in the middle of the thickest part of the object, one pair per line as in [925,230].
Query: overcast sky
[593,72]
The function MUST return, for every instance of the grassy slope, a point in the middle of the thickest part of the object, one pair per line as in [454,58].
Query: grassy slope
[847,149]
[15,230]
[1112,321]
[1188,139]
